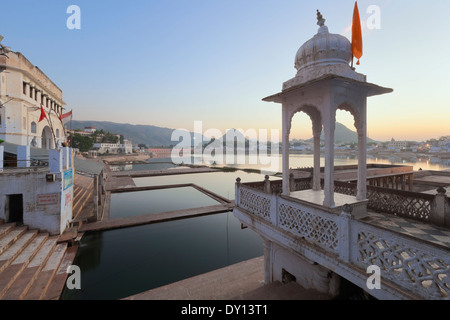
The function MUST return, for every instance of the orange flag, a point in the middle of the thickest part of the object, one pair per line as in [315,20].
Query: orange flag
[357,45]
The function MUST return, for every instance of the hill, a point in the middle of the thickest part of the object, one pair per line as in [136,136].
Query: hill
[152,136]
[343,135]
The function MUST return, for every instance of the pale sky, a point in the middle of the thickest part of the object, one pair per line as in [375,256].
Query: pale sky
[172,62]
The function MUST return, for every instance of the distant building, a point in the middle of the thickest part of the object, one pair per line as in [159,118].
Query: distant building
[397,145]
[90,129]
[160,152]
[23,89]
[114,148]
[106,148]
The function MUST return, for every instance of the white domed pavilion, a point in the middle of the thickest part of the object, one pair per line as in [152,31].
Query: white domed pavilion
[324,83]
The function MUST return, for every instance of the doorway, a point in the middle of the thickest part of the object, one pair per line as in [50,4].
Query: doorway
[14,208]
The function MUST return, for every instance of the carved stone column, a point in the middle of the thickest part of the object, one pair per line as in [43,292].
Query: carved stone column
[317,130]
[329,124]
[286,130]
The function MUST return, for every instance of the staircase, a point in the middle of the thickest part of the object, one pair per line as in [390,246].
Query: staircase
[83,198]
[32,264]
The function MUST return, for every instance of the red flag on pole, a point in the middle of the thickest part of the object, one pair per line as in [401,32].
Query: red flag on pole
[357,44]
[65,115]
[43,115]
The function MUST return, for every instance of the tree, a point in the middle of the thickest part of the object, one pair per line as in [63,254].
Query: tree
[83,143]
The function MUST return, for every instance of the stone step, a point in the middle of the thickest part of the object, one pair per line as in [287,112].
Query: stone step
[5,228]
[83,181]
[9,238]
[14,250]
[79,202]
[26,272]
[37,288]
[58,282]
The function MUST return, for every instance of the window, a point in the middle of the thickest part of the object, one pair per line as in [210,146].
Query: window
[57,133]
[33,127]
[24,88]
[25,123]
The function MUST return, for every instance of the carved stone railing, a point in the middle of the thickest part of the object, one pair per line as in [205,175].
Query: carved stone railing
[415,266]
[317,226]
[409,267]
[427,208]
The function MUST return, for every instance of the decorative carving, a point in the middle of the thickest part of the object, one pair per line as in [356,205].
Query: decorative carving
[310,226]
[404,263]
[258,204]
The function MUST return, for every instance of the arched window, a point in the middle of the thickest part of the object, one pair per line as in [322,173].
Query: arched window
[33,127]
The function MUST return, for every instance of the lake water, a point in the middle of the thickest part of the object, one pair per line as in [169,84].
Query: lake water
[118,263]
[154,201]
[297,161]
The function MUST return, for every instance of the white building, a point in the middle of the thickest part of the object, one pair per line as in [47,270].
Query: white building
[23,89]
[113,148]
[106,148]
[40,197]
[126,147]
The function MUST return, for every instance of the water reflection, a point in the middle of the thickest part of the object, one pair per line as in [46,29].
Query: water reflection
[222,183]
[119,263]
[154,201]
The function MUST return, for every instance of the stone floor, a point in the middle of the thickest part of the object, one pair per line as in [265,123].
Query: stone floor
[241,281]
[417,229]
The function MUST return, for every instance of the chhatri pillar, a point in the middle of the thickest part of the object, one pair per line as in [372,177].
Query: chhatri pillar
[324,83]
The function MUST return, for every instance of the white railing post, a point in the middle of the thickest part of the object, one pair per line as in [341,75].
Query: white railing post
[344,233]
[438,208]
[267,184]
[236,196]
[274,209]
[2,148]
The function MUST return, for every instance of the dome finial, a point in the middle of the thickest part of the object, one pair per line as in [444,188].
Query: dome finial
[320,19]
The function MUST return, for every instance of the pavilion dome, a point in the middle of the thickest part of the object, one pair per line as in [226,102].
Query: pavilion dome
[323,49]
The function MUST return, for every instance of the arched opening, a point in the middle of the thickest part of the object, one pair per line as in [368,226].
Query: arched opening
[47,138]
[296,132]
[301,141]
[345,138]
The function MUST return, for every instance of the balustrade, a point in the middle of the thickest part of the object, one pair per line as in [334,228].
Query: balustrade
[414,267]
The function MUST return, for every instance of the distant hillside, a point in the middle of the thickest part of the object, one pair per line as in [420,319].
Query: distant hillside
[151,136]
[343,135]
[154,136]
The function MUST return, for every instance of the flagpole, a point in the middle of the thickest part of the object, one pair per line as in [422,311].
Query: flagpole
[71,130]
[51,127]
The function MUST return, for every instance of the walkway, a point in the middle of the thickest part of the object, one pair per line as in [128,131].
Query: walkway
[241,281]
[109,224]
